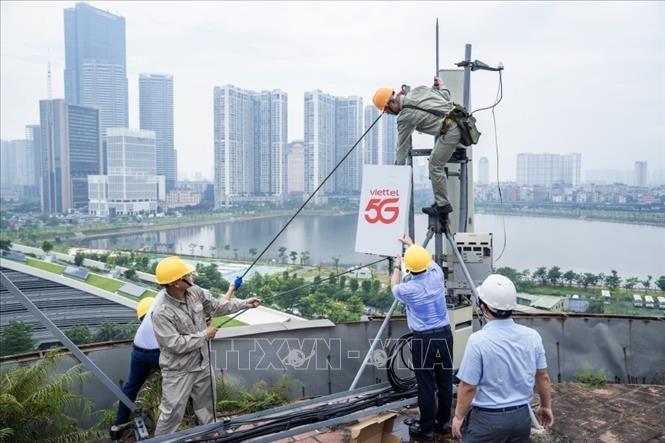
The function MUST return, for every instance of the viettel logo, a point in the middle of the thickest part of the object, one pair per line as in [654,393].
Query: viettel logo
[382,210]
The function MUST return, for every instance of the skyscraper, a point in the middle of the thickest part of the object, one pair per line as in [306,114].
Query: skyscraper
[33,140]
[16,168]
[483,171]
[71,150]
[131,184]
[548,169]
[380,143]
[332,126]
[95,63]
[640,174]
[250,144]
[156,114]
[296,167]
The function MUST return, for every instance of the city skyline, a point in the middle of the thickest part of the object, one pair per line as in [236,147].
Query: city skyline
[545,87]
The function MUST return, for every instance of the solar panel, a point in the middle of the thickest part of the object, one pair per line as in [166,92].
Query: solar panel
[73,271]
[133,290]
[15,256]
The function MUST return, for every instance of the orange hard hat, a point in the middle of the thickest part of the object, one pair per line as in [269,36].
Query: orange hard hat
[381,97]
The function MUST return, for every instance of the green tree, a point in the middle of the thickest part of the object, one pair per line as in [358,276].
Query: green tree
[108,332]
[282,254]
[47,246]
[631,282]
[78,258]
[525,276]
[613,280]
[293,255]
[5,244]
[38,404]
[342,282]
[354,285]
[355,306]
[589,280]
[661,282]
[131,274]
[646,284]
[253,252]
[569,277]
[79,334]
[541,275]
[335,260]
[510,273]
[553,275]
[304,257]
[235,253]
[366,286]
[16,338]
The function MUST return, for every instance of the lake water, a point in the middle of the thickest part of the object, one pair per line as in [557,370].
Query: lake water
[584,246]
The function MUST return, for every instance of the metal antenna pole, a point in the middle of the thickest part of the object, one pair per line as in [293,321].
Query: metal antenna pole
[436,74]
[463,177]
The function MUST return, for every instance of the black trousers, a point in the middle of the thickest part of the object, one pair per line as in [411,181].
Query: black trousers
[432,355]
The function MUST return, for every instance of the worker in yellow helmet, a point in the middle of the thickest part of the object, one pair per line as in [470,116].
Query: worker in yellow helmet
[144,360]
[425,109]
[423,295]
[179,321]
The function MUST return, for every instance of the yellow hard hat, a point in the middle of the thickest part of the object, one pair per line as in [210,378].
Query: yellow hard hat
[381,97]
[171,269]
[144,306]
[416,258]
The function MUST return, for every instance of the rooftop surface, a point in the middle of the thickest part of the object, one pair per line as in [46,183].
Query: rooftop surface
[610,413]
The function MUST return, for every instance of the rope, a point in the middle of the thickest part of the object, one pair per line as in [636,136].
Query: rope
[311,195]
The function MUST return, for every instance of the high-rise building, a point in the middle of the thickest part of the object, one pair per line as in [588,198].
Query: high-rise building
[250,144]
[483,171]
[33,140]
[332,126]
[548,169]
[71,151]
[381,141]
[319,141]
[96,63]
[17,172]
[131,186]
[156,114]
[640,174]
[296,167]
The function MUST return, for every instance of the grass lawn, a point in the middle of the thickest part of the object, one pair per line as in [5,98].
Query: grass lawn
[148,293]
[45,266]
[105,283]
[217,320]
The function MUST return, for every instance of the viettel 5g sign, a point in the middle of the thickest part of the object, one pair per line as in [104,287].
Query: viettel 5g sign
[384,209]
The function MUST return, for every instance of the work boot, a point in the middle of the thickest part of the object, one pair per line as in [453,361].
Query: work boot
[419,435]
[441,211]
[442,428]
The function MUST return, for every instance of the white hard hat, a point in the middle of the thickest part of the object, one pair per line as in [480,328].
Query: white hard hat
[498,292]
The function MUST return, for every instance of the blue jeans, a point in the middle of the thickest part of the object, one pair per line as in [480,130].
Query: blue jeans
[142,363]
[432,356]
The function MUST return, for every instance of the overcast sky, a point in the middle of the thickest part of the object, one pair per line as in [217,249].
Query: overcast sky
[579,77]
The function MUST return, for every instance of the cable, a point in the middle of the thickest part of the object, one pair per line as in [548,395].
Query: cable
[312,195]
[400,384]
[498,182]
[497,101]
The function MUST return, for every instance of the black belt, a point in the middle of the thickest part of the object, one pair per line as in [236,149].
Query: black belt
[146,351]
[432,331]
[509,408]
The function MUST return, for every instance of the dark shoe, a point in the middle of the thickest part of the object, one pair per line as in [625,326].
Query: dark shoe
[438,210]
[419,435]
[115,433]
[442,428]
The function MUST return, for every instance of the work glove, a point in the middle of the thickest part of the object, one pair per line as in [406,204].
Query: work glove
[237,282]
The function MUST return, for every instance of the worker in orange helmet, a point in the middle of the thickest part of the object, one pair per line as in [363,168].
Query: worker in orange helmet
[425,109]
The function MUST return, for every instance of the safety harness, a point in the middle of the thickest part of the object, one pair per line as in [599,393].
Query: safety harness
[466,122]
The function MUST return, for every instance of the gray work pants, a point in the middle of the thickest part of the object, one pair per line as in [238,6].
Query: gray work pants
[177,388]
[498,427]
[444,146]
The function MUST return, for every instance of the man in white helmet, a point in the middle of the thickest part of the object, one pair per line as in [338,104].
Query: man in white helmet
[501,364]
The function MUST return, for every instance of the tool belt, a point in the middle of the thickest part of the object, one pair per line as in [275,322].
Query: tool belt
[469,134]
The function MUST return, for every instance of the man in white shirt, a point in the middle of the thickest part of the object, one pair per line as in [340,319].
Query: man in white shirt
[145,359]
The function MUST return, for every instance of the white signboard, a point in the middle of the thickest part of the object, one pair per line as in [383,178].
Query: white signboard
[384,209]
